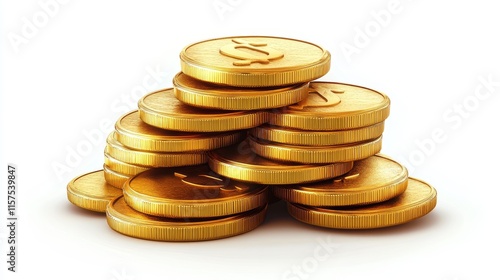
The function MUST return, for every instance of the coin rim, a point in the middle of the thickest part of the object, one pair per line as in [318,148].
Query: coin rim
[87,201]
[316,154]
[327,121]
[166,207]
[277,76]
[291,136]
[226,99]
[232,120]
[187,231]
[275,174]
[345,197]
[355,219]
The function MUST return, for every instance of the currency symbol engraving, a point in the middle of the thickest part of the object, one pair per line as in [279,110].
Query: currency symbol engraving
[208,181]
[345,178]
[319,96]
[250,52]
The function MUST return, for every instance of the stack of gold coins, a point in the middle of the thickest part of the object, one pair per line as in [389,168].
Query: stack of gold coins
[246,121]
[335,123]
[135,146]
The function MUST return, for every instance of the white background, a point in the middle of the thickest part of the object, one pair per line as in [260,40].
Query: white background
[60,81]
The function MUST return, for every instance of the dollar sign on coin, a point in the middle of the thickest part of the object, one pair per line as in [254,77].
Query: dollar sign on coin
[246,58]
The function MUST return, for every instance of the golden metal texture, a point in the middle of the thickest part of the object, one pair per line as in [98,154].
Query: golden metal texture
[240,163]
[123,167]
[316,154]
[191,192]
[254,61]
[418,200]
[125,220]
[206,95]
[375,179]
[90,191]
[334,106]
[152,159]
[115,179]
[132,132]
[316,138]
[163,110]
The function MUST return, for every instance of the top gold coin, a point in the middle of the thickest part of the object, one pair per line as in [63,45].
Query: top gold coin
[254,61]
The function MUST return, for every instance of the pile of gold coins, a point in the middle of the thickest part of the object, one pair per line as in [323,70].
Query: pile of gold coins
[246,124]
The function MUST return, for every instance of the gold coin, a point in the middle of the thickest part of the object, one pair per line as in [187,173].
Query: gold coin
[371,180]
[151,159]
[240,163]
[254,61]
[90,191]
[191,192]
[132,132]
[334,106]
[125,220]
[207,95]
[163,110]
[114,178]
[418,200]
[316,154]
[316,138]
[123,167]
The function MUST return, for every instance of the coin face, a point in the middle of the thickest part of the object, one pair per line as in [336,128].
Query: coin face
[374,179]
[316,154]
[90,191]
[334,106]
[240,163]
[190,192]
[316,138]
[163,110]
[418,200]
[206,95]
[125,220]
[132,132]
[254,61]
[151,159]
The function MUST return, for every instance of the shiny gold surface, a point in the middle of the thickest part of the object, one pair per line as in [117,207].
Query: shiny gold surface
[132,132]
[316,154]
[254,61]
[114,178]
[371,180]
[316,138]
[123,167]
[334,106]
[90,191]
[151,159]
[418,200]
[206,95]
[125,220]
[163,110]
[240,163]
[191,192]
